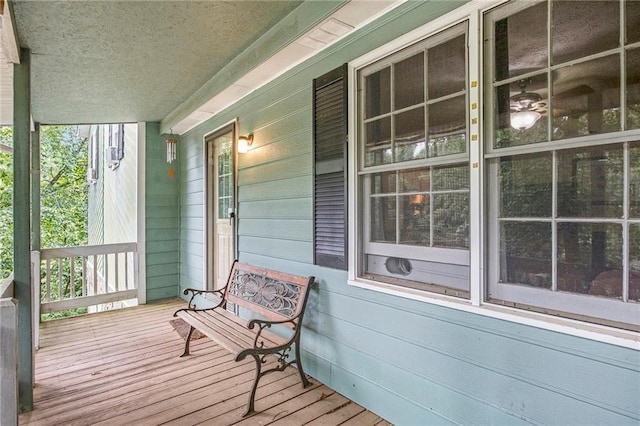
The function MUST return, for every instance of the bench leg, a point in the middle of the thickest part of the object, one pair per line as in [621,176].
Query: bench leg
[252,395]
[186,343]
[303,377]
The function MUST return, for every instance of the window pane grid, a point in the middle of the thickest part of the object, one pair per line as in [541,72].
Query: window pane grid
[225,180]
[586,255]
[415,106]
[620,106]
[415,211]
[580,88]
[398,133]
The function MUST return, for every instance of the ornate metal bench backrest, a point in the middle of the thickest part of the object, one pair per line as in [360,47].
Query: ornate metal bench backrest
[274,295]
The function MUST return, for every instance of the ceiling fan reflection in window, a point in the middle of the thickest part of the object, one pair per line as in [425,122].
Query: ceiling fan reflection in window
[526,107]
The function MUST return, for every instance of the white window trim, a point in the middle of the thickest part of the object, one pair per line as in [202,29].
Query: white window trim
[473,12]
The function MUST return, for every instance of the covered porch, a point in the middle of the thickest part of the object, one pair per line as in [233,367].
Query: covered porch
[485,214]
[122,367]
[84,70]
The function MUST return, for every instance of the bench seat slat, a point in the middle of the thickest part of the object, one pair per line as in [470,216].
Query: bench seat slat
[237,331]
[239,326]
[210,332]
[227,331]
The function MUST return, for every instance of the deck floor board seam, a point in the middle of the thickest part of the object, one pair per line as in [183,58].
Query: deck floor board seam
[123,367]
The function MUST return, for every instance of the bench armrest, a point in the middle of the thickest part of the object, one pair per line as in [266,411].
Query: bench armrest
[195,292]
[262,324]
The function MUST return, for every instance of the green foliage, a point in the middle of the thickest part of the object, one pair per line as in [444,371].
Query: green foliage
[6,203]
[63,191]
[64,314]
[63,185]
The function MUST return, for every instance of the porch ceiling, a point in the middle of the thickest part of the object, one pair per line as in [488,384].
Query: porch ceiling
[125,61]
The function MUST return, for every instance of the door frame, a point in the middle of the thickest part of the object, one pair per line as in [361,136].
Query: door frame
[209,192]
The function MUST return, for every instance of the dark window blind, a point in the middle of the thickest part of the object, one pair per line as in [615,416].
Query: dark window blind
[330,169]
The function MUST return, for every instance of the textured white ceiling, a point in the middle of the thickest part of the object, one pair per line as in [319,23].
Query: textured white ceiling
[123,61]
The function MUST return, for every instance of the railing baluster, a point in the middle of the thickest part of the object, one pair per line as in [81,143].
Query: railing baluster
[60,294]
[72,277]
[126,270]
[117,273]
[136,265]
[106,273]
[118,285]
[95,274]
[84,275]
[48,278]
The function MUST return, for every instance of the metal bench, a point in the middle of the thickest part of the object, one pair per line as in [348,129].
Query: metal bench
[270,298]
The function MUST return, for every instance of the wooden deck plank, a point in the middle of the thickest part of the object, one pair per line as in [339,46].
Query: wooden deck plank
[363,419]
[307,413]
[83,376]
[232,406]
[338,416]
[111,392]
[172,402]
[123,367]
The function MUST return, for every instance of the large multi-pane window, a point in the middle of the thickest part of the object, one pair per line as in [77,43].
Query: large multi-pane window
[537,186]
[562,151]
[414,166]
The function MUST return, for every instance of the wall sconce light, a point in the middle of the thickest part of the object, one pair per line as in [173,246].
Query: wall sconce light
[244,142]
[172,147]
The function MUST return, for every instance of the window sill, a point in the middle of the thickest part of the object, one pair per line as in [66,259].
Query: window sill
[613,336]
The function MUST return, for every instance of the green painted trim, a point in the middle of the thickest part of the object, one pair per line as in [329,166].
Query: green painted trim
[21,226]
[298,22]
[35,188]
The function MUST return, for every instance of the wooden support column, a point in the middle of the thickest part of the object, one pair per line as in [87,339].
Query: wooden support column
[21,226]
[35,187]
[35,232]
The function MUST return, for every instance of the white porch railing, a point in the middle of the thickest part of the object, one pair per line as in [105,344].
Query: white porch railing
[75,277]
[9,357]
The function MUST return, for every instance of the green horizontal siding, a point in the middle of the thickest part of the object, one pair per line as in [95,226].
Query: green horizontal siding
[278,150]
[169,235]
[409,361]
[292,229]
[162,222]
[299,208]
[291,167]
[162,219]
[192,232]
[161,258]
[280,249]
[282,189]
[297,100]
[161,292]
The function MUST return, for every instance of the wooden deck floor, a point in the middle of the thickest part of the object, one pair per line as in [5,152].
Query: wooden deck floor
[122,368]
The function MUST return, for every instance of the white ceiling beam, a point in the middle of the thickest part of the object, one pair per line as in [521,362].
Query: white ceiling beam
[353,15]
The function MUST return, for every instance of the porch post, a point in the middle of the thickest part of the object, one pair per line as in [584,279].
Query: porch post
[35,232]
[35,187]
[21,226]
